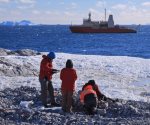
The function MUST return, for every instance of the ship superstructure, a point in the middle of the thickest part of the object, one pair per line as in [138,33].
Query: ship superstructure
[90,26]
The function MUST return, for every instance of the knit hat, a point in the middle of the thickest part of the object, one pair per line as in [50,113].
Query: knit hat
[92,82]
[69,63]
[51,55]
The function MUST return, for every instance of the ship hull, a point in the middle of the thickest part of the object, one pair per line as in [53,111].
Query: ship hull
[83,29]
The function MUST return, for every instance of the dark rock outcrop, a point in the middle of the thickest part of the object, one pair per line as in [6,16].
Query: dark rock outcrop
[23,52]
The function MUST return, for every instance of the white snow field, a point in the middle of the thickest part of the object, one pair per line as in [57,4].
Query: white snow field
[117,76]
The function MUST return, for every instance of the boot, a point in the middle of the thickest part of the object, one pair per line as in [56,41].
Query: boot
[55,104]
[46,106]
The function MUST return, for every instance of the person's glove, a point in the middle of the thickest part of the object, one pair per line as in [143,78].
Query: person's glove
[54,71]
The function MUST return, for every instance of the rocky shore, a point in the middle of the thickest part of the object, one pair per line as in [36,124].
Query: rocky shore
[19,70]
[121,112]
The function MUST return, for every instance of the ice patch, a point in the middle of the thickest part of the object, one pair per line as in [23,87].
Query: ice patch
[26,104]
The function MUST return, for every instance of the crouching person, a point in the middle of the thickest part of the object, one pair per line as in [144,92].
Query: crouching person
[100,96]
[88,98]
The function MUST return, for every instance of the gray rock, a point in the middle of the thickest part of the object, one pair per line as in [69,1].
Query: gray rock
[102,112]
[23,52]
[13,69]
[4,52]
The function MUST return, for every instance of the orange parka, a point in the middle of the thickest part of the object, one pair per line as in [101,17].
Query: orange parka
[68,77]
[87,90]
[46,68]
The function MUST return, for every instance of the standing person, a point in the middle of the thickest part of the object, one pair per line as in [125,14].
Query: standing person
[45,77]
[68,76]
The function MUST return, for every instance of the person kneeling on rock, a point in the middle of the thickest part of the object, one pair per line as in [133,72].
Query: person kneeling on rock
[100,96]
[91,95]
[88,99]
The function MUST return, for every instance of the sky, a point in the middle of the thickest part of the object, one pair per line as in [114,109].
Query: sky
[73,11]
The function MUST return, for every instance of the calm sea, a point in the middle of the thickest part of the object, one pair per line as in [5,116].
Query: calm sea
[58,38]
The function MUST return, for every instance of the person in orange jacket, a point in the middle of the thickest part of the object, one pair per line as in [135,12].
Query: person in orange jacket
[100,96]
[45,77]
[88,99]
[90,95]
[68,76]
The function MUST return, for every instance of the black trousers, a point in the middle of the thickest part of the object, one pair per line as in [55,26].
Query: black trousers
[90,103]
[46,88]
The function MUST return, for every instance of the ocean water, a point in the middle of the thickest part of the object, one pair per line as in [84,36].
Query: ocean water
[58,38]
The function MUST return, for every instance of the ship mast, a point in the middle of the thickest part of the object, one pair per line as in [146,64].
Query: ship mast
[105,14]
[89,16]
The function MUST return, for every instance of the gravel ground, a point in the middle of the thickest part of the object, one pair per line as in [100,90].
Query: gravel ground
[121,112]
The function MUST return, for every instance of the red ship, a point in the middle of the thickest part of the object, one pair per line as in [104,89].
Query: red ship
[90,26]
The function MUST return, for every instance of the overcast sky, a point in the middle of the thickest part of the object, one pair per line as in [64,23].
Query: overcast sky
[67,11]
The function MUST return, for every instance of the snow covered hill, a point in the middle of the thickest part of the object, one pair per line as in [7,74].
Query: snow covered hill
[21,23]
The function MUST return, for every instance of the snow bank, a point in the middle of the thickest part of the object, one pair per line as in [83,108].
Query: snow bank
[117,76]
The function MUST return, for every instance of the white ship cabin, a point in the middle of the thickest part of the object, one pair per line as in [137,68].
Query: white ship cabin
[96,24]
[110,21]
[90,23]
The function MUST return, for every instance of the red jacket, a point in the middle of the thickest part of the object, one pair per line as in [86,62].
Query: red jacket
[68,77]
[87,90]
[96,89]
[46,68]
